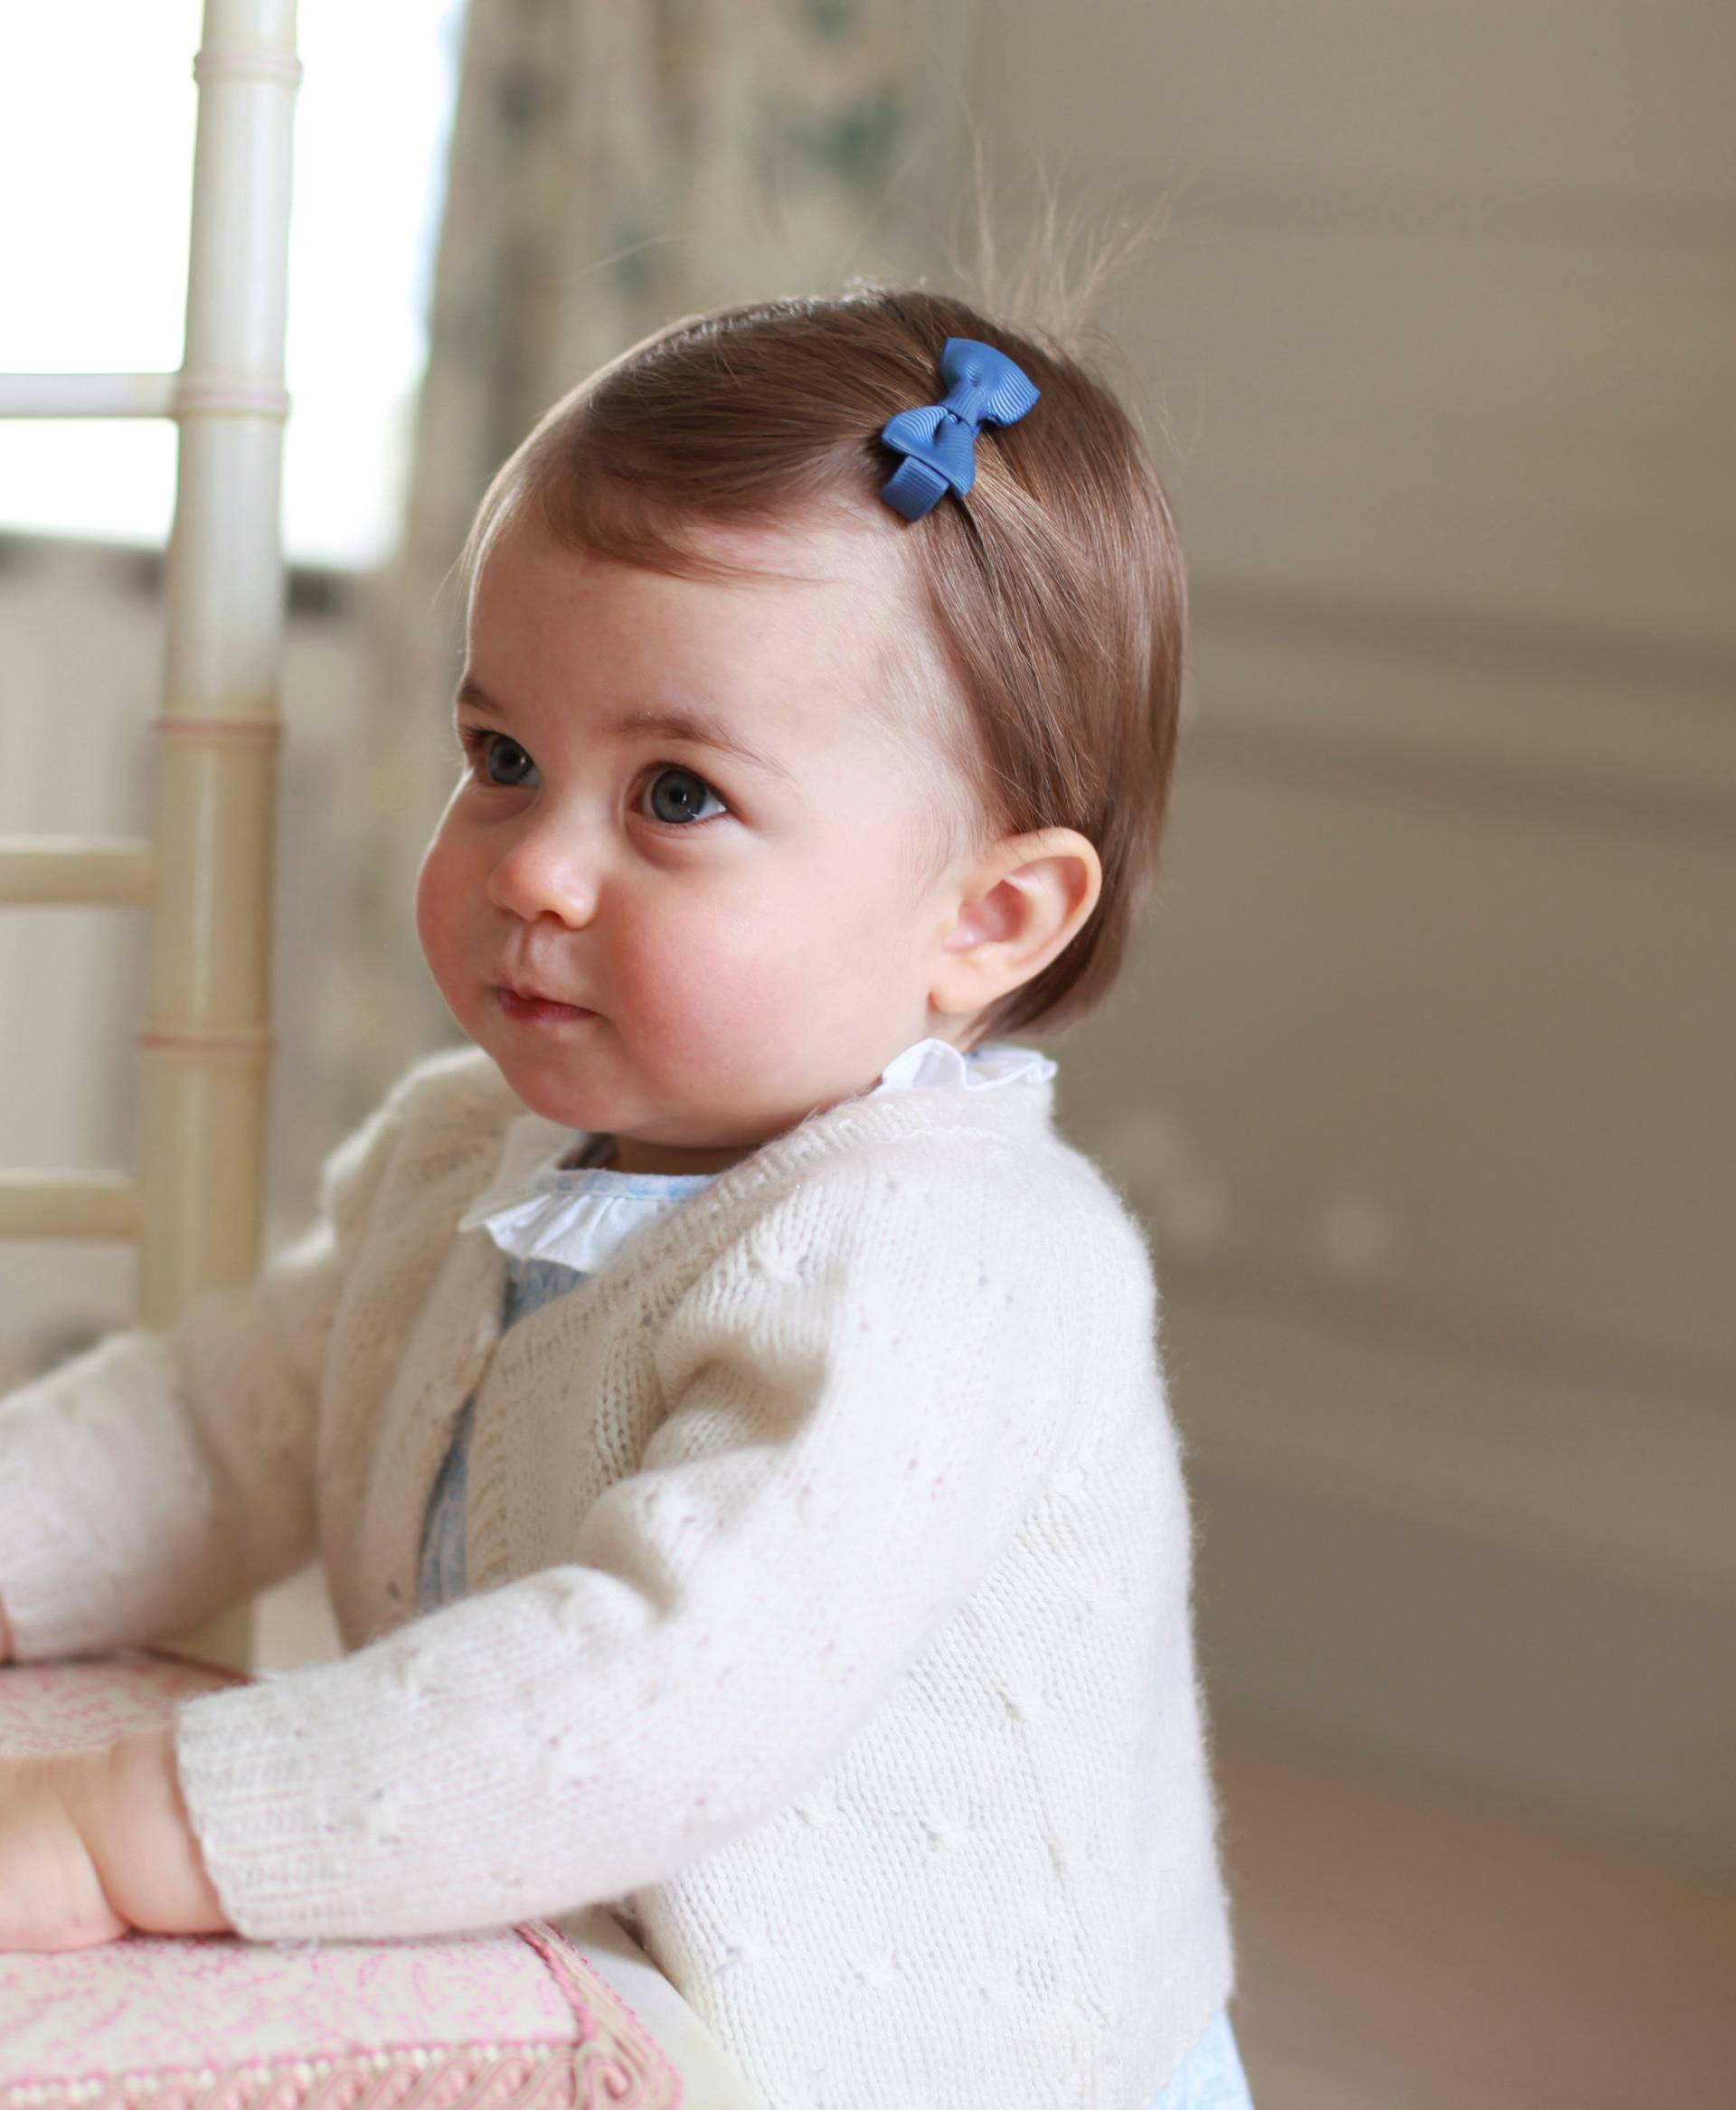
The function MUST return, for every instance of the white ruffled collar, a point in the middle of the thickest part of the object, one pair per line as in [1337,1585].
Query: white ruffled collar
[538,1207]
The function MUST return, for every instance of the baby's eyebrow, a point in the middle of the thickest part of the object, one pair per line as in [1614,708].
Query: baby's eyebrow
[700,727]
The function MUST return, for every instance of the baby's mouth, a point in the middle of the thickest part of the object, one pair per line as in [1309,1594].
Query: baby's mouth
[532,1009]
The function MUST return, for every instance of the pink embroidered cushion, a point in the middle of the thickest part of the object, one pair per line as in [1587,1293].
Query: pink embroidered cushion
[214,2022]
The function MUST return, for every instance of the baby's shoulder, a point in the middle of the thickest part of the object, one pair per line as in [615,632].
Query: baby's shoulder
[454,1092]
[453,1109]
[1039,1173]
[438,1125]
[1088,1221]
[1035,1196]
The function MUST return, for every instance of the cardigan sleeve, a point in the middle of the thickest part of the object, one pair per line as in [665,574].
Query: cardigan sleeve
[164,1476]
[867,1393]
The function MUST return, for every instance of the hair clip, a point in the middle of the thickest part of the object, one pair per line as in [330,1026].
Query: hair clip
[939,440]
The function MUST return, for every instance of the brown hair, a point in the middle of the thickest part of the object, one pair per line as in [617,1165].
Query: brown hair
[1055,590]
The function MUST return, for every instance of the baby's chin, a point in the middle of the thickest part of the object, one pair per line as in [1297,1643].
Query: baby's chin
[570,1074]
[568,1110]
[545,1082]
[572,1095]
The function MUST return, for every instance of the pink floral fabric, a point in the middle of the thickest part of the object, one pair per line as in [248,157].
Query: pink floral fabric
[506,2020]
[61,1707]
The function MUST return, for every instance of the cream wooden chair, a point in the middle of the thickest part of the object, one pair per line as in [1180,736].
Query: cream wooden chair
[194,1205]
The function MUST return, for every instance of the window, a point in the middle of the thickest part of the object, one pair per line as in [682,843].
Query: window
[97,114]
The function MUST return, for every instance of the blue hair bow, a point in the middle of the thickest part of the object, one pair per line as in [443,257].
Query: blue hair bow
[939,440]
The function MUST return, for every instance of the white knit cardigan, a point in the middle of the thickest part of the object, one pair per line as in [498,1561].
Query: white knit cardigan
[830,1568]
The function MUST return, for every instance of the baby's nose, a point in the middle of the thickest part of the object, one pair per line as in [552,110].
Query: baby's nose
[542,874]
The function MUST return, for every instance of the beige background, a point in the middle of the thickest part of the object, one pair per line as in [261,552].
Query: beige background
[1422,1077]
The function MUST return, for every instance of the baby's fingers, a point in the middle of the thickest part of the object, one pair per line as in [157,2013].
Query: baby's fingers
[51,1897]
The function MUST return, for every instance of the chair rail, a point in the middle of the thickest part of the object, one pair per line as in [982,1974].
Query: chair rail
[69,871]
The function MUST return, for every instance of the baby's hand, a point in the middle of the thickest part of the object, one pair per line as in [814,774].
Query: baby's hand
[51,1895]
[96,1841]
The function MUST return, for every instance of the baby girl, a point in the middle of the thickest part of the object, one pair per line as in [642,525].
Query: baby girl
[728,1412]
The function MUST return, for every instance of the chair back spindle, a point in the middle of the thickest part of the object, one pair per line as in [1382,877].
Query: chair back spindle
[194,1202]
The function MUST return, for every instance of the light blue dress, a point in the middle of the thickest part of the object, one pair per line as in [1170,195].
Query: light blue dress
[532,1280]
[1210,2076]
[557,1224]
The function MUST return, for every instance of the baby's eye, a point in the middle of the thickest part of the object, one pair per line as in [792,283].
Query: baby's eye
[495,748]
[676,808]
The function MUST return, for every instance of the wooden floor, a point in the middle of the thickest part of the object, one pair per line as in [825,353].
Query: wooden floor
[1398,1950]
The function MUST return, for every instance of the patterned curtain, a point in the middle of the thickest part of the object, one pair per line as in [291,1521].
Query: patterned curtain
[615,164]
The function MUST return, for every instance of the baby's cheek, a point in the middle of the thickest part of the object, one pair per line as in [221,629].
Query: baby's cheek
[434,911]
[720,978]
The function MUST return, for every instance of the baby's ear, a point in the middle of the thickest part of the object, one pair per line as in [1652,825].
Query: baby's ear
[1021,904]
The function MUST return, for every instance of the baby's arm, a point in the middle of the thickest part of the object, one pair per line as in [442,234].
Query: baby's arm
[859,1422]
[161,1477]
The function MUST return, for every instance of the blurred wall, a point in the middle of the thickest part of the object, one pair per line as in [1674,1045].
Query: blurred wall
[1422,1077]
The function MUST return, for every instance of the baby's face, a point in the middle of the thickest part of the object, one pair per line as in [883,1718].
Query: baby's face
[722,945]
